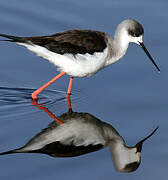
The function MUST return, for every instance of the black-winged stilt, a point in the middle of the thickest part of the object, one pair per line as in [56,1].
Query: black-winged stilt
[82,53]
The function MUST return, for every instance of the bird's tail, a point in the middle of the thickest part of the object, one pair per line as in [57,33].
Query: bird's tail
[12,38]
[10,152]
[19,150]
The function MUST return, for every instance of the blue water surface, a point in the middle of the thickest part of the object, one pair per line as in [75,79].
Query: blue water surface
[131,95]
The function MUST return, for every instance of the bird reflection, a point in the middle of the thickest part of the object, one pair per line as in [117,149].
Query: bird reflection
[77,133]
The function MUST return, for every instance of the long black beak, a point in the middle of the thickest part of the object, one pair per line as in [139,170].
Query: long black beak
[139,144]
[147,53]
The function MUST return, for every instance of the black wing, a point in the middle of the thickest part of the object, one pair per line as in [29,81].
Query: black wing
[72,41]
[57,149]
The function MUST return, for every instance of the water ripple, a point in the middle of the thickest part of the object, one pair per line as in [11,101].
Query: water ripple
[13,98]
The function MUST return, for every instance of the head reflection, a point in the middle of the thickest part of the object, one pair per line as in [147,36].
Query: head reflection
[74,134]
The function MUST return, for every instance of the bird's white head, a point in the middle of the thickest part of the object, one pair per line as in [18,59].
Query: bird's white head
[127,159]
[132,31]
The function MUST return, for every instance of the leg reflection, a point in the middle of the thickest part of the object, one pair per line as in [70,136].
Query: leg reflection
[69,103]
[46,110]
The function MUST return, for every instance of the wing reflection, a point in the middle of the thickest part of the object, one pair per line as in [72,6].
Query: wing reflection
[73,134]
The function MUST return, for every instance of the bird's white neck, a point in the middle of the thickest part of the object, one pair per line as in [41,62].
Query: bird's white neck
[117,47]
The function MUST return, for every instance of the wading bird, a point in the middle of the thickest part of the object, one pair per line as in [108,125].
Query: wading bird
[82,53]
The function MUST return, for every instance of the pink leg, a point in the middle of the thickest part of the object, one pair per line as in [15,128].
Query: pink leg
[69,87]
[35,93]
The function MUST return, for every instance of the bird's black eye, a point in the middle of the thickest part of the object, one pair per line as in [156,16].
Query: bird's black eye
[132,33]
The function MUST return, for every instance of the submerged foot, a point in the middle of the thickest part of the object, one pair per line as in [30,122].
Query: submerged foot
[34,96]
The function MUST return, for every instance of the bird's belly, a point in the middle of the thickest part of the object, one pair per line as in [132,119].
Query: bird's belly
[80,68]
[79,65]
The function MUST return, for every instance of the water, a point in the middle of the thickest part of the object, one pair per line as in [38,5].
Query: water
[130,94]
